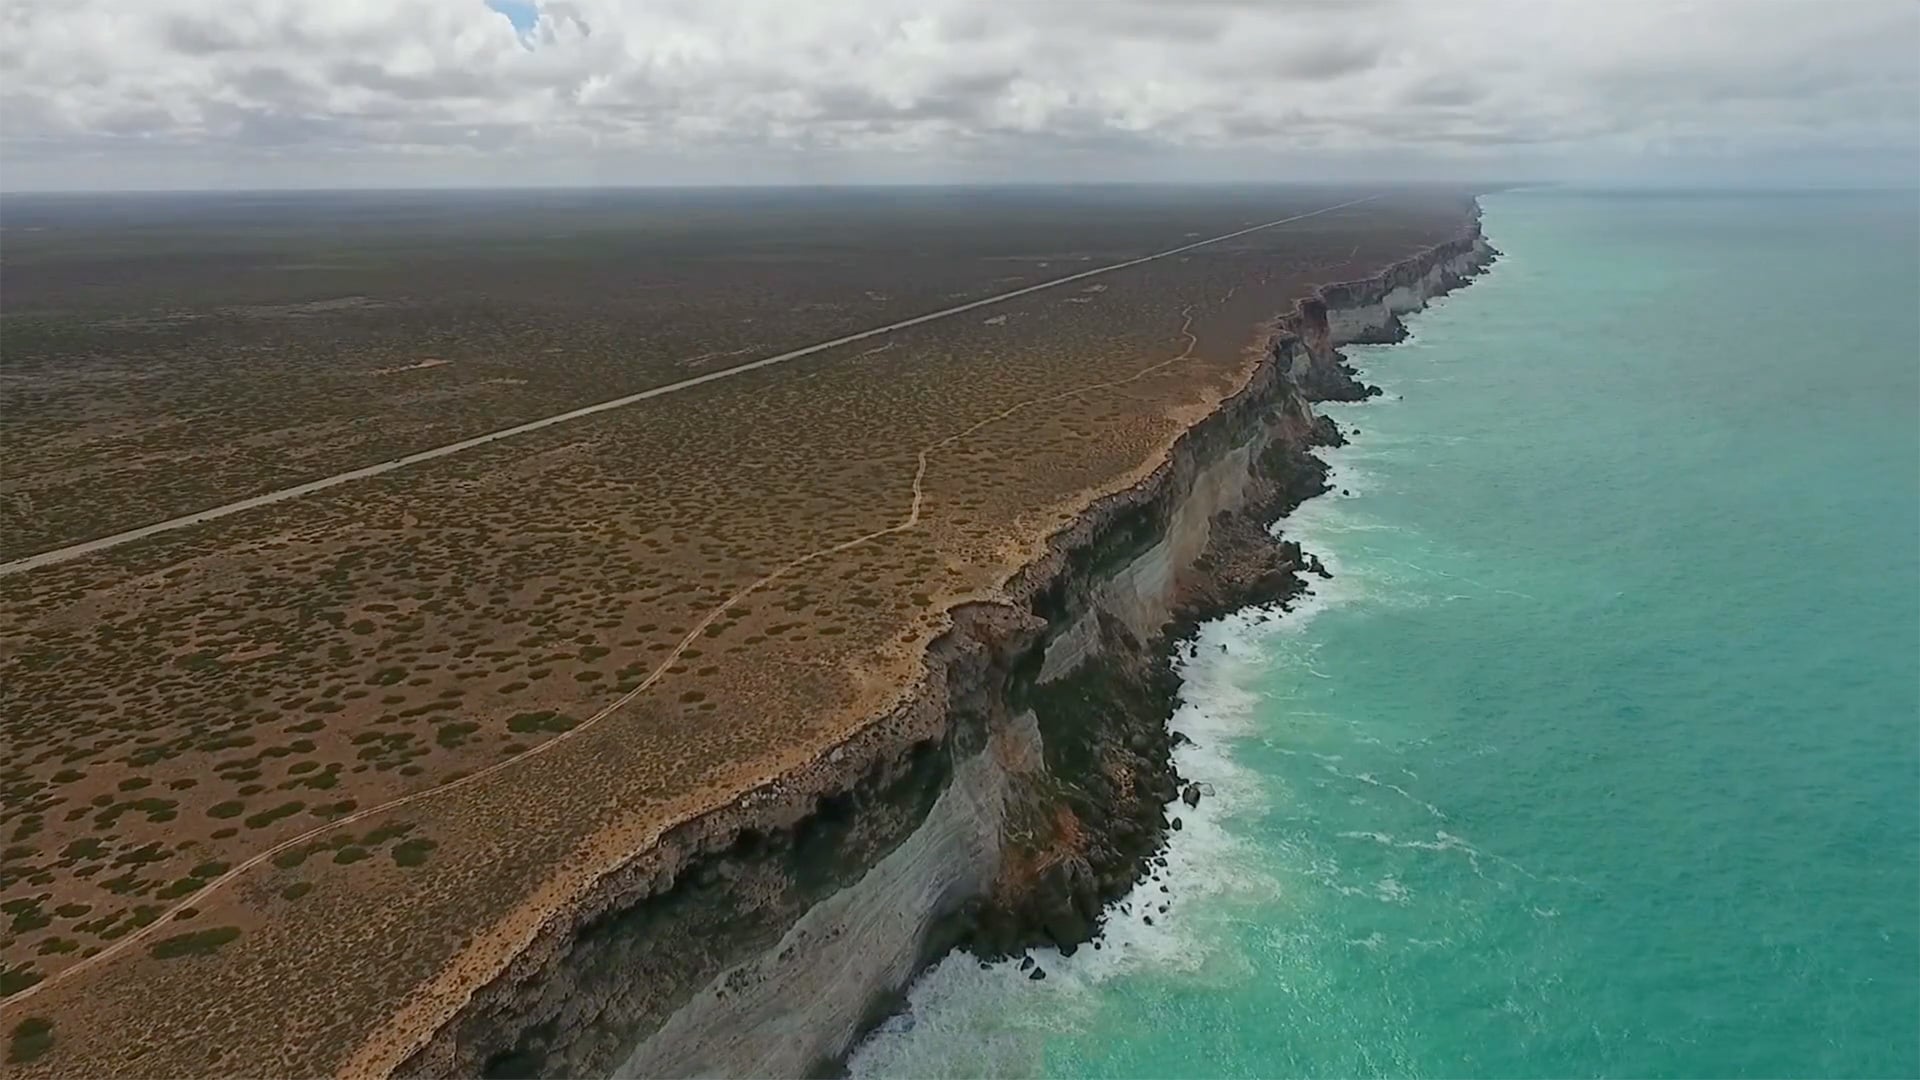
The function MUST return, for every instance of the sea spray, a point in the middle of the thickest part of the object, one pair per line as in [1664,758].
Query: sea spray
[969,1018]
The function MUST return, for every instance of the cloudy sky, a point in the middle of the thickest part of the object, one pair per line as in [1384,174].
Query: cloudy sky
[333,93]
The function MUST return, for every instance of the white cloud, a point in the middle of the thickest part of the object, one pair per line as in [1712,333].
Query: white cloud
[111,93]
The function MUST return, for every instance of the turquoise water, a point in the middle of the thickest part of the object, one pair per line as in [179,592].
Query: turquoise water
[1600,756]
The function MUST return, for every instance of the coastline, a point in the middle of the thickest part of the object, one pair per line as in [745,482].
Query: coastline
[1019,786]
[965,1004]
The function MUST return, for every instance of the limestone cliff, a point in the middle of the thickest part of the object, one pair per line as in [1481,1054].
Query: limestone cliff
[1021,787]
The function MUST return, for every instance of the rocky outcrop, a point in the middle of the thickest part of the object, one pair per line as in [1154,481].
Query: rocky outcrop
[1020,787]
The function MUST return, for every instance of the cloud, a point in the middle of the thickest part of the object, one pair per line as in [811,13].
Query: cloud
[96,93]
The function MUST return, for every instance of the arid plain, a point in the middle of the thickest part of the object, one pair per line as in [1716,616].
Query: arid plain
[269,781]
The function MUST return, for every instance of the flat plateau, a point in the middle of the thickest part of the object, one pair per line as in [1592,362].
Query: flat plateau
[363,781]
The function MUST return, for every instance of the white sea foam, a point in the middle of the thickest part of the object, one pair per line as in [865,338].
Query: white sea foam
[989,1020]
[1391,890]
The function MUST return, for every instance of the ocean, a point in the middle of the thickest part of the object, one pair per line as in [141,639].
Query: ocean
[1600,753]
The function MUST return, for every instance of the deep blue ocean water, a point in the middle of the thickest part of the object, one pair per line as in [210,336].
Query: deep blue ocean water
[1600,756]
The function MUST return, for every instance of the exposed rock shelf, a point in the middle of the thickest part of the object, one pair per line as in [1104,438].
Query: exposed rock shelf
[1019,788]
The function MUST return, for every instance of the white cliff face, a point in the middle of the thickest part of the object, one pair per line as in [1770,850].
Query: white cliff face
[1142,593]
[803,1001]
[1380,320]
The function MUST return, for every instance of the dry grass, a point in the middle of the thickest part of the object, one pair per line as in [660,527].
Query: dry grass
[747,560]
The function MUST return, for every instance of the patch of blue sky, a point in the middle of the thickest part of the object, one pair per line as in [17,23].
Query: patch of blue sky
[523,14]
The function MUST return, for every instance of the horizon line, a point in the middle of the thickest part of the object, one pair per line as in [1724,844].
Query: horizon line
[1479,186]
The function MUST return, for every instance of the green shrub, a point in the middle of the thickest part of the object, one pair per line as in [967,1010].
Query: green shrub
[267,817]
[453,734]
[412,852]
[31,1038]
[193,943]
[523,723]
